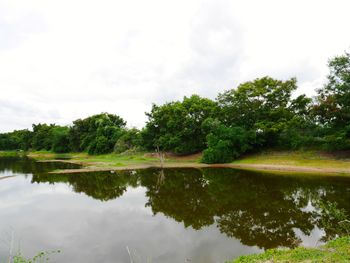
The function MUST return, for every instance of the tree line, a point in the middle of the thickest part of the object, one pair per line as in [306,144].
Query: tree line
[258,114]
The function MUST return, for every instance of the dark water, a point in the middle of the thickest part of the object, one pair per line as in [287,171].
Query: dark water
[174,215]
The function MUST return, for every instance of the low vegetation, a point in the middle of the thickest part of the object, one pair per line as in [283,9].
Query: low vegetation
[337,250]
[309,158]
[295,162]
[113,160]
[39,258]
[257,115]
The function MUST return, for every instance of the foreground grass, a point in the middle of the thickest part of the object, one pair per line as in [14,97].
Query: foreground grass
[41,257]
[337,250]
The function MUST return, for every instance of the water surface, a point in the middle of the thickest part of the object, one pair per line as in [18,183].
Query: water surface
[171,215]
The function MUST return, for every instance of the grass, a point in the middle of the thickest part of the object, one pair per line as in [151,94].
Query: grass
[114,160]
[337,250]
[10,153]
[295,158]
[41,257]
[47,155]
[272,161]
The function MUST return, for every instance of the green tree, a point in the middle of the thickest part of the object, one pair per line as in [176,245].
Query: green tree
[130,140]
[225,143]
[96,134]
[16,140]
[264,106]
[332,107]
[60,139]
[333,101]
[176,126]
[42,136]
[6,142]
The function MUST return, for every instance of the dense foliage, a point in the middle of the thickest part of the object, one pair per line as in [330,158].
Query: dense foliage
[176,126]
[332,107]
[96,134]
[263,113]
[225,143]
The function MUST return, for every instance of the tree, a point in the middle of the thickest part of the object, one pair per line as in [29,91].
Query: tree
[264,106]
[7,142]
[225,143]
[16,140]
[42,136]
[60,139]
[96,134]
[131,139]
[333,100]
[176,126]
[332,107]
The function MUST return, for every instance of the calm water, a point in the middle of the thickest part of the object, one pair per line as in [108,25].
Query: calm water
[174,215]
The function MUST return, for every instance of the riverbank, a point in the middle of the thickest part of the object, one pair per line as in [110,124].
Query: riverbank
[270,161]
[337,250]
[297,161]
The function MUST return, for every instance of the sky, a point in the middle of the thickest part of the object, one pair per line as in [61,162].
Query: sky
[69,59]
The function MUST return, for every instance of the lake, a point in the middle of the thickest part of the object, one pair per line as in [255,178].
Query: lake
[171,215]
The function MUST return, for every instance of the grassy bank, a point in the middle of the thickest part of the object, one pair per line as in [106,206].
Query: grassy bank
[113,161]
[296,158]
[337,250]
[11,153]
[287,162]
[296,161]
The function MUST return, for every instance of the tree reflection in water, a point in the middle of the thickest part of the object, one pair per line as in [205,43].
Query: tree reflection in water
[258,209]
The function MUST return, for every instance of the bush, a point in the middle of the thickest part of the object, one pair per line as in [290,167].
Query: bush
[226,144]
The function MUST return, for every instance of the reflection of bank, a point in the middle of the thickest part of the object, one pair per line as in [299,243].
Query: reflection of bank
[25,165]
[6,176]
[260,210]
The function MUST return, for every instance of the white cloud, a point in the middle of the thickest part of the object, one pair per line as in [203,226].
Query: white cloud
[62,60]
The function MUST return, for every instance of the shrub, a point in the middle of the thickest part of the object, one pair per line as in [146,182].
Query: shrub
[226,144]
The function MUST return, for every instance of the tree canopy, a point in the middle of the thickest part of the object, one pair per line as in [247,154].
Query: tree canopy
[176,126]
[96,134]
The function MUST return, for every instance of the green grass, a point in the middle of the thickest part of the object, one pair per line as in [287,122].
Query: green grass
[337,250]
[39,258]
[10,153]
[126,160]
[307,159]
[295,158]
[112,159]
[115,159]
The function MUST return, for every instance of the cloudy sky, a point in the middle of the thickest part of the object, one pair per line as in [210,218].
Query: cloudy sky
[67,59]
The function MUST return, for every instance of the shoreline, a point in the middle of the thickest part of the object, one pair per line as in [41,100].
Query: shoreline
[311,163]
[89,167]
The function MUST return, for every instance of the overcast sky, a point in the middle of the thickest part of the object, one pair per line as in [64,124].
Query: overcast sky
[68,59]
